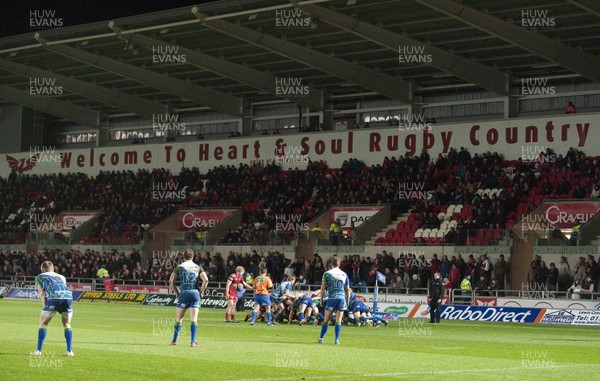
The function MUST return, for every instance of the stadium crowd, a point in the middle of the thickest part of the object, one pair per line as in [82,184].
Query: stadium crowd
[130,200]
[406,271]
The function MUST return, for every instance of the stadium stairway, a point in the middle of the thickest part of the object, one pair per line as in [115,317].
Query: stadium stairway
[392,226]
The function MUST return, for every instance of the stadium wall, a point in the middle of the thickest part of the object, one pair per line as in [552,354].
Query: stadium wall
[508,137]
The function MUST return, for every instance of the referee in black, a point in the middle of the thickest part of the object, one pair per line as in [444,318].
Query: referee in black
[436,296]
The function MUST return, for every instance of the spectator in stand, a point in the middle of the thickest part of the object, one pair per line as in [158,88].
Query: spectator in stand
[563,187]
[355,278]
[389,275]
[552,280]
[592,268]
[445,267]
[532,275]
[578,192]
[465,285]
[414,284]
[595,192]
[500,271]
[450,236]
[587,287]
[487,266]
[300,283]
[398,285]
[306,272]
[482,286]
[102,273]
[493,288]
[570,108]
[574,239]
[317,272]
[579,270]
[455,276]
[434,264]
[335,232]
[541,277]
[564,274]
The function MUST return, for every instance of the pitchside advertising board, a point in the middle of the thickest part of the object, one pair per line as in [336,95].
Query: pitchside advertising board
[30,293]
[152,299]
[578,304]
[492,314]
[389,311]
[142,289]
[111,297]
[571,317]
[512,138]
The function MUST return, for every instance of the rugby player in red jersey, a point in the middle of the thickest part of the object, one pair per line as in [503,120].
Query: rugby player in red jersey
[231,293]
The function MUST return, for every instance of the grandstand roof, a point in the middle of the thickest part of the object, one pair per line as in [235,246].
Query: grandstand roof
[347,50]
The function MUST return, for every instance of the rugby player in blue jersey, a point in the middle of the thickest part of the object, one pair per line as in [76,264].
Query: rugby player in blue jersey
[56,297]
[281,292]
[188,296]
[336,283]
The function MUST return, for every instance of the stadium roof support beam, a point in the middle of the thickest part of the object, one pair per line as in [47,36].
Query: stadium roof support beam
[384,84]
[566,56]
[592,6]
[239,73]
[140,106]
[471,71]
[52,106]
[202,95]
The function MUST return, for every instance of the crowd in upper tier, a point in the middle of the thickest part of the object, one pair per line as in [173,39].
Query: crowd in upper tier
[131,201]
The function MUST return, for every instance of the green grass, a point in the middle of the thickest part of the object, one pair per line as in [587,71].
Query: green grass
[117,342]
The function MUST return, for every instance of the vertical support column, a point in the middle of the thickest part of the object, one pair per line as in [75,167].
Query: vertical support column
[325,120]
[415,108]
[102,134]
[245,123]
[511,106]
[245,126]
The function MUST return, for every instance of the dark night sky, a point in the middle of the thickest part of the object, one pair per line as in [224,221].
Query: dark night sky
[15,13]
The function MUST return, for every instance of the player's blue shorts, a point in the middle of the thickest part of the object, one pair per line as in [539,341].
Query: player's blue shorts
[332,305]
[307,301]
[275,300]
[189,300]
[262,300]
[58,305]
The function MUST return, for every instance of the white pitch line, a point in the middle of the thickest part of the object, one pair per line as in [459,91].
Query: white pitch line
[441,372]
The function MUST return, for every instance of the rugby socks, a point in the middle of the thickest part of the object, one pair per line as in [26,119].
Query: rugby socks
[338,329]
[320,317]
[253,317]
[176,331]
[41,338]
[301,315]
[311,318]
[352,320]
[226,316]
[232,317]
[69,339]
[363,319]
[324,330]
[193,330]
[269,317]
